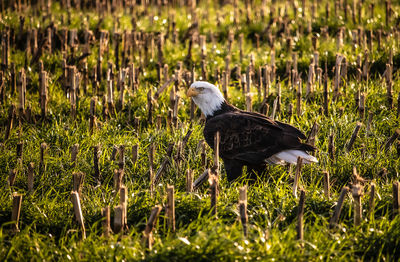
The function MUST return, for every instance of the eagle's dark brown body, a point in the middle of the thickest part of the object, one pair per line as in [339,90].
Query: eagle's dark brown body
[249,139]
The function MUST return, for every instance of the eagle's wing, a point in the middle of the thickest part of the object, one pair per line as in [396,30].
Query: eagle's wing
[251,137]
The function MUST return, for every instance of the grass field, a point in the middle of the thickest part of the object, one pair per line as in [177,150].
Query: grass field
[48,230]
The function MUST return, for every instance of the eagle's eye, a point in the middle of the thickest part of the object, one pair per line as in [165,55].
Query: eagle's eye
[200,88]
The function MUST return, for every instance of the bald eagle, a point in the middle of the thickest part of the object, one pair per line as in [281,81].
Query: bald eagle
[247,138]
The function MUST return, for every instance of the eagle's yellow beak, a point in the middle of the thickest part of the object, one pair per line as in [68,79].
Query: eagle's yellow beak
[192,92]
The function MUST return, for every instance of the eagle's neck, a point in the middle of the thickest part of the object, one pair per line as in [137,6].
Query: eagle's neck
[225,107]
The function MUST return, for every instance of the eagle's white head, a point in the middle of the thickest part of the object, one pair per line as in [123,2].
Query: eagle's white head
[206,96]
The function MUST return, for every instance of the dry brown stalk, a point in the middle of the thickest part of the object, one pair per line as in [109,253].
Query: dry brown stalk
[335,218]
[170,208]
[78,212]
[243,209]
[297,175]
[16,211]
[356,191]
[151,223]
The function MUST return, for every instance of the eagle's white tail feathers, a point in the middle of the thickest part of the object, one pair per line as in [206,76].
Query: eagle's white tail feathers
[290,156]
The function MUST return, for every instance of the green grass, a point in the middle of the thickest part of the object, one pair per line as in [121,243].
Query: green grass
[48,230]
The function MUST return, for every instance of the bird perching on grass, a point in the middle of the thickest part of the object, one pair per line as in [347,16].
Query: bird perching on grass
[247,138]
